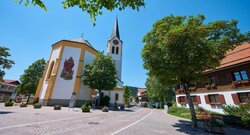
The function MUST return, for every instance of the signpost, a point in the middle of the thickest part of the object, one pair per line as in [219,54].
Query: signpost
[72,101]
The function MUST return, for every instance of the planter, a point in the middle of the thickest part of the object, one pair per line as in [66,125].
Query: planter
[86,110]
[57,107]
[86,107]
[37,106]
[105,109]
[23,105]
[8,104]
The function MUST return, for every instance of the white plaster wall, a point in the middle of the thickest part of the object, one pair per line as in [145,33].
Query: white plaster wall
[227,96]
[117,58]
[112,96]
[84,90]
[88,59]
[63,88]
[55,54]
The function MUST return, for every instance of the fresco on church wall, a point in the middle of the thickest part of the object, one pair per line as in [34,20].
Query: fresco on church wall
[67,72]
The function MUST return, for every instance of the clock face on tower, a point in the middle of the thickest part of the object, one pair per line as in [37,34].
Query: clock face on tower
[116,42]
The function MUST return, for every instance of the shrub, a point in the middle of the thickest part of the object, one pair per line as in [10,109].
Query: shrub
[213,121]
[201,111]
[8,103]
[57,107]
[105,109]
[86,107]
[174,104]
[37,106]
[105,101]
[23,105]
[241,111]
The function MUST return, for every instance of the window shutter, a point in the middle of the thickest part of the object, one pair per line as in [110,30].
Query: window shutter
[222,99]
[207,99]
[198,98]
[236,99]
[178,100]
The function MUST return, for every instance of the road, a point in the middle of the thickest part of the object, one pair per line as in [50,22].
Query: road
[46,121]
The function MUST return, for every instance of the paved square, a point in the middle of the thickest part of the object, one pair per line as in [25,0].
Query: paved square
[137,121]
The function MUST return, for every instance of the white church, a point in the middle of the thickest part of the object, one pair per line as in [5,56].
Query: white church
[65,67]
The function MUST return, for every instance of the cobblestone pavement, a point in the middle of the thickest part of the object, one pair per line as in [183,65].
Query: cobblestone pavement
[139,121]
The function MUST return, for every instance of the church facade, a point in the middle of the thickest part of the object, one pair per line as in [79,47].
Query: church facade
[65,67]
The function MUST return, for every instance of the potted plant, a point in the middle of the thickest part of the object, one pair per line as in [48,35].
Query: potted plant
[8,103]
[37,106]
[57,107]
[105,109]
[86,107]
[23,105]
[213,124]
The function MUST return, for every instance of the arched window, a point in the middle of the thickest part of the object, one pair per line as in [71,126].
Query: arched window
[113,49]
[116,96]
[50,70]
[117,50]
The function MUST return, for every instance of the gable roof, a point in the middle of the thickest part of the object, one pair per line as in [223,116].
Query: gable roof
[238,55]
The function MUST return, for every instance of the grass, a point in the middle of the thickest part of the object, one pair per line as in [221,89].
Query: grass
[184,112]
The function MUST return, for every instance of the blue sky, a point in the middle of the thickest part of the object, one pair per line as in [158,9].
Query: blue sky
[29,32]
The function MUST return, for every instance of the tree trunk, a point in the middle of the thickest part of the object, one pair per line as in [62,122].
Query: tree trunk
[28,99]
[191,107]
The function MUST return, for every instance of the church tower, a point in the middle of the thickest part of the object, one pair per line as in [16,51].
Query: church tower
[115,50]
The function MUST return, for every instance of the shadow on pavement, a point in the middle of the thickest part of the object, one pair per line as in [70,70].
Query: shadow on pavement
[5,112]
[186,127]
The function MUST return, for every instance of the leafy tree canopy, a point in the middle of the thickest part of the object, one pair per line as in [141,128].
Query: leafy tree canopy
[31,76]
[157,92]
[92,7]
[5,63]
[101,74]
[127,94]
[178,49]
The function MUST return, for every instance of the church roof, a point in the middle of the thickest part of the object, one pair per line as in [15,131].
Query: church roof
[81,40]
[115,32]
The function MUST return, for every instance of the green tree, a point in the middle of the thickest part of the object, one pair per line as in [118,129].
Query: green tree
[101,75]
[127,94]
[92,7]
[5,63]
[156,92]
[30,78]
[178,49]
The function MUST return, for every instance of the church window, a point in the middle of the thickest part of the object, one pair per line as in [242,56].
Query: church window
[50,70]
[116,96]
[113,49]
[117,50]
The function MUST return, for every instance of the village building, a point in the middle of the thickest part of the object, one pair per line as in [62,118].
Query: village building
[228,84]
[8,89]
[66,65]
